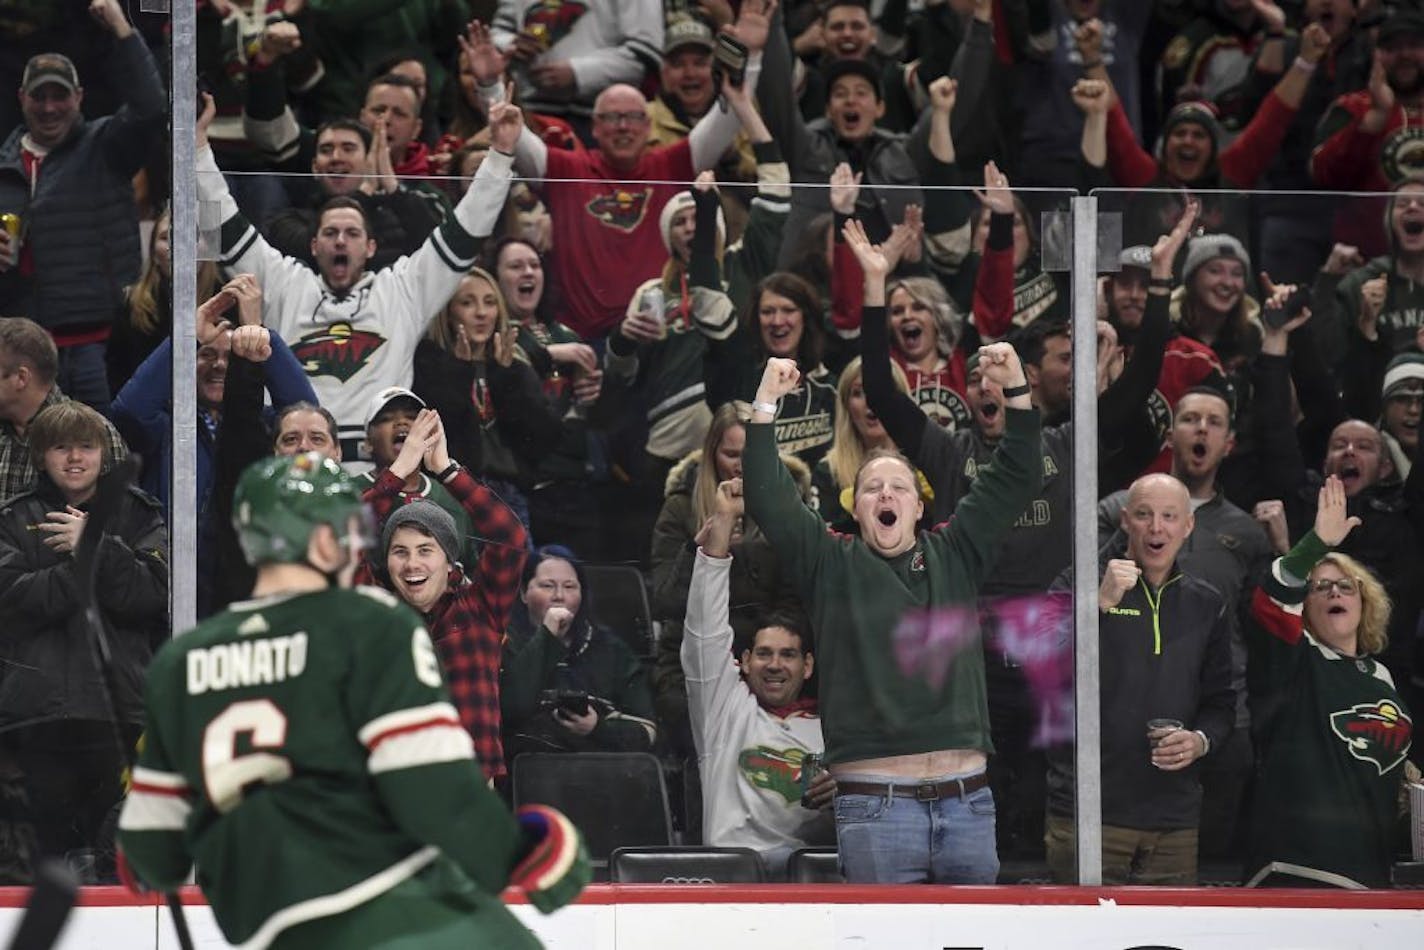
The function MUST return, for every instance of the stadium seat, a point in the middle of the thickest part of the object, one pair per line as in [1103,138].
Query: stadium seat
[616,799]
[814,866]
[684,865]
[619,602]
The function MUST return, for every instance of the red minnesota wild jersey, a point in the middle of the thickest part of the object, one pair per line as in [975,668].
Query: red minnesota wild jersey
[303,752]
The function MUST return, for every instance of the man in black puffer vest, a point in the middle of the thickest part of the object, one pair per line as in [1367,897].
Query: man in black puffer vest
[69,181]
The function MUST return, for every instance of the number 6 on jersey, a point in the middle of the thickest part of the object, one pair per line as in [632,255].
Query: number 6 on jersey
[225,773]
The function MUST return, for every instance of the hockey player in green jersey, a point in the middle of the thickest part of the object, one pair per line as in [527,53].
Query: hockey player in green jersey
[302,751]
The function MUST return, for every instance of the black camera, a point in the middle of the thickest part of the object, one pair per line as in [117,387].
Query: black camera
[569,701]
[729,59]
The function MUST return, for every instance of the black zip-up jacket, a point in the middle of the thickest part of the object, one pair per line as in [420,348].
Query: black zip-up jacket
[49,670]
[81,223]
[1163,654]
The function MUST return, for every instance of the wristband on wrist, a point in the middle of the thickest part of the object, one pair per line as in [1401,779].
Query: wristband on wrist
[1159,283]
[1020,390]
[767,407]
[1305,65]
[447,472]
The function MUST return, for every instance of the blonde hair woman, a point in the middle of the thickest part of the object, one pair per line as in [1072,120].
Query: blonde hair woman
[1332,728]
[857,432]
[469,369]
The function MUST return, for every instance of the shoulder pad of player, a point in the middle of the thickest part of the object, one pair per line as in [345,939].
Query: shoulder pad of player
[557,868]
[380,596]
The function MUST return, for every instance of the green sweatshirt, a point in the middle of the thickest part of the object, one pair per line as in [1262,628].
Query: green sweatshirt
[856,600]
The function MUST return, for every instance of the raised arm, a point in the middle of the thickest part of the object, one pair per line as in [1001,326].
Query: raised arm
[715,131]
[993,308]
[778,102]
[126,137]
[772,499]
[1245,160]
[1093,97]
[903,420]
[488,64]
[1014,475]
[241,247]
[1126,395]
[712,680]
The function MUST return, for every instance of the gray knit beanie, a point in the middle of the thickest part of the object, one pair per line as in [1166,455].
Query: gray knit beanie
[1209,247]
[428,517]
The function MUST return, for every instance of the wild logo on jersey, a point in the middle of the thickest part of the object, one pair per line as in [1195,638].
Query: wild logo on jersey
[551,20]
[621,208]
[1377,732]
[776,770]
[339,350]
[943,405]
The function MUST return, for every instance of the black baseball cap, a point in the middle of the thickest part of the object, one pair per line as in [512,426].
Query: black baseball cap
[1404,23]
[842,68]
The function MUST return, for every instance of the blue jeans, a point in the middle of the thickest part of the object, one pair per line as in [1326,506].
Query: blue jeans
[893,840]
[83,375]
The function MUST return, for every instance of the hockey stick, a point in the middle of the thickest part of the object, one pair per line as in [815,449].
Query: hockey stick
[107,501]
[48,908]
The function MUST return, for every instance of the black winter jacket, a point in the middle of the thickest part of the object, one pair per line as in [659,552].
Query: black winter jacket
[81,223]
[1170,660]
[47,669]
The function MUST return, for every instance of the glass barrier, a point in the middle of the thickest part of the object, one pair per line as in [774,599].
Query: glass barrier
[1291,333]
[595,353]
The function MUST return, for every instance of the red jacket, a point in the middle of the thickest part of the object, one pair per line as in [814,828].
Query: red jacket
[1241,163]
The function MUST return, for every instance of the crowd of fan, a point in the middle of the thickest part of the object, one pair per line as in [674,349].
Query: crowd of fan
[684,177]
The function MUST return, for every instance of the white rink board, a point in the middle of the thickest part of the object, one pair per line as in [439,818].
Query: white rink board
[614,921]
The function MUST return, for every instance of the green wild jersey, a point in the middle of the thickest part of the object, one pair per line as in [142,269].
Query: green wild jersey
[303,752]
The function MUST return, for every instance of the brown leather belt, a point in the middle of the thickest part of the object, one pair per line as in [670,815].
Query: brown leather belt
[919,791]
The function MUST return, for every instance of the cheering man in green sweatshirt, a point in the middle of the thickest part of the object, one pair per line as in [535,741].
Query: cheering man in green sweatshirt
[907,748]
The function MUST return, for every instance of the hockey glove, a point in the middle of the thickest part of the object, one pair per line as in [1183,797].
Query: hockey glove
[556,869]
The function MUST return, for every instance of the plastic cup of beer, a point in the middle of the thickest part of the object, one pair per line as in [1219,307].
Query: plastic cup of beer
[1159,729]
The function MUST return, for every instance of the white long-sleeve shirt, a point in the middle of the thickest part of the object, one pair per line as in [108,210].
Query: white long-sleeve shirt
[354,344]
[749,758]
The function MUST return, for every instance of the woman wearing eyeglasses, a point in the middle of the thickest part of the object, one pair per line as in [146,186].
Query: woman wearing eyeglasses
[1332,731]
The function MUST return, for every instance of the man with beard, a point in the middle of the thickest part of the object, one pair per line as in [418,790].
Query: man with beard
[354,329]
[1229,550]
[1391,515]
[1192,155]
[340,157]
[1365,142]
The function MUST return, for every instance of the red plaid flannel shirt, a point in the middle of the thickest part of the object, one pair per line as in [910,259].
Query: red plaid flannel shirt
[468,622]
